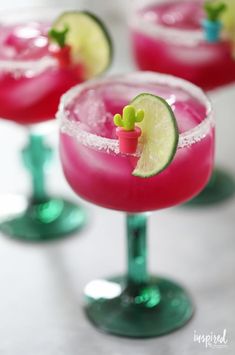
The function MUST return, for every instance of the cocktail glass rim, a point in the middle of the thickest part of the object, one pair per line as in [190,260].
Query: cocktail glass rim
[185,37]
[76,130]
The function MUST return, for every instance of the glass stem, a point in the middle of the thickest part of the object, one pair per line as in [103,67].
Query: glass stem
[137,261]
[35,156]
[139,290]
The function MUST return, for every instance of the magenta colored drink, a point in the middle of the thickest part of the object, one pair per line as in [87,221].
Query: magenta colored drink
[91,160]
[31,80]
[167,37]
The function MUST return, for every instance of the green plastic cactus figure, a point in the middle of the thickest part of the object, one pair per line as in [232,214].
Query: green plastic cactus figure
[214,10]
[59,36]
[129,118]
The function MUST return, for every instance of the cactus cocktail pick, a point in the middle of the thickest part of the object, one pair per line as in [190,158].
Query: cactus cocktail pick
[128,118]
[212,25]
[126,130]
[214,10]
[63,51]
[59,36]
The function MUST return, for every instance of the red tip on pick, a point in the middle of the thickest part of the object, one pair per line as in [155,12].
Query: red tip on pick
[63,55]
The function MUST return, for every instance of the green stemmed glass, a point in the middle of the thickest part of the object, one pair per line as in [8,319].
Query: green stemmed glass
[165,42]
[136,304]
[45,218]
[31,83]
[220,188]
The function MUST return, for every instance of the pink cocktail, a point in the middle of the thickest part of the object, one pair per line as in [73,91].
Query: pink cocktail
[31,80]
[167,37]
[89,145]
[134,305]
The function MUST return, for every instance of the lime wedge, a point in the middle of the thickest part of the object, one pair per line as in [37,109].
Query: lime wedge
[89,40]
[159,137]
[228,18]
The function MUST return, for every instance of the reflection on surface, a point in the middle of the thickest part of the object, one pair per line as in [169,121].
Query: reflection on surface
[102,289]
[11,205]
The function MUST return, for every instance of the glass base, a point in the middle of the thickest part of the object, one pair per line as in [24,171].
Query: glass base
[159,308]
[52,219]
[220,188]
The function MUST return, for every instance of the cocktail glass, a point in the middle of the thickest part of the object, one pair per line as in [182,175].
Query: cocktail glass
[167,37]
[135,304]
[31,83]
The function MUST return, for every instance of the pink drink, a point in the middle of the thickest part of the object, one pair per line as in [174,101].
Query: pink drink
[89,149]
[167,37]
[31,80]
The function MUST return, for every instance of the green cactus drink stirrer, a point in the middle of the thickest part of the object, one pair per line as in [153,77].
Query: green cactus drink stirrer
[212,25]
[126,130]
[58,36]
[214,10]
[129,118]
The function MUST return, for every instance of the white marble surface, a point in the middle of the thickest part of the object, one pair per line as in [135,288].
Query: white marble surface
[41,285]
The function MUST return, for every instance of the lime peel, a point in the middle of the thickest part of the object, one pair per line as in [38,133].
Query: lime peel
[88,39]
[160,135]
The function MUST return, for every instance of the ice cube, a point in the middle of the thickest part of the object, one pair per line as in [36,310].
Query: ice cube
[188,114]
[90,109]
[27,41]
[186,14]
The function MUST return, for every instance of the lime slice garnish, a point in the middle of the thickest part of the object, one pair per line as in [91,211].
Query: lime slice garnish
[89,40]
[228,18]
[159,137]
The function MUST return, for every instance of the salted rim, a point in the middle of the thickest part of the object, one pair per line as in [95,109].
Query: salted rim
[190,38]
[186,138]
[74,129]
[22,66]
